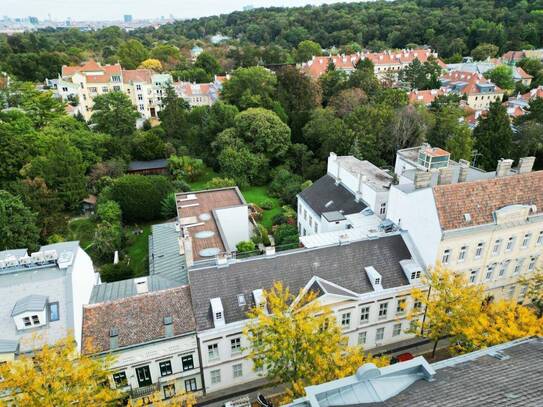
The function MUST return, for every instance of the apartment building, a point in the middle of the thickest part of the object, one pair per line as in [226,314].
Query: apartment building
[43,294]
[79,85]
[366,283]
[479,91]
[487,225]
[148,326]
[352,195]
[198,94]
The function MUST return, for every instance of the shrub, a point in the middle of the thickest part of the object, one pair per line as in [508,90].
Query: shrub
[180,186]
[186,167]
[220,183]
[267,204]
[285,185]
[109,211]
[279,219]
[263,233]
[285,234]
[168,206]
[116,272]
[245,246]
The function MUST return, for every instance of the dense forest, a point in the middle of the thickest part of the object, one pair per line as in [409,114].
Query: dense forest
[452,27]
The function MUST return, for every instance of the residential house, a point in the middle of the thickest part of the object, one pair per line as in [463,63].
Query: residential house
[149,328]
[486,225]
[504,375]
[479,91]
[43,294]
[198,94]
[482,67]
[426,97]
[353,193]
[152,167]
[366,283]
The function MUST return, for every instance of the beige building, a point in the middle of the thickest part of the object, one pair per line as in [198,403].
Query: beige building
[488,226]
[479,91]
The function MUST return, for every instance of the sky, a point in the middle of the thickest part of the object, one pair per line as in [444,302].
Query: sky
[139,9]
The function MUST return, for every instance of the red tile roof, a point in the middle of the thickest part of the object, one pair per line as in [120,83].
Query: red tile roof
[425,96]
[472,79]
[533,94]
[137,75]
[522,73]
[481,198]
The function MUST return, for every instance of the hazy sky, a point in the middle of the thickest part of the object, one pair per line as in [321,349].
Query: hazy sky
[115,9]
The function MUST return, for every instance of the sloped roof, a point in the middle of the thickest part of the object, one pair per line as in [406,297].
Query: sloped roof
[137,319]
[481,198]
[164,258]
[148,165]
[325,196]
[29,303]
[137,75]
[127,288]
[341,265]
[8,346]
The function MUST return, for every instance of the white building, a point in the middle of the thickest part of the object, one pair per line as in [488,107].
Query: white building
[366,283]
[346,198]
[43,294]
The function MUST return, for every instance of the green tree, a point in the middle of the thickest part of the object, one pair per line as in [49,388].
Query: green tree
[114,114]
[421,75]
[132,53]
[173,115]
[146,145]
[107,239]
[534,113]
[285,185]
[332,82]
[325,133]
[528,139]
[346,101]
[218,182]
[534,290]
[109,211]
[364,78]
[493,136]
[306,50]
[17,223]
[208,63]
[186,167]
[502,76]
[110,273]
[165,53]
[483,51]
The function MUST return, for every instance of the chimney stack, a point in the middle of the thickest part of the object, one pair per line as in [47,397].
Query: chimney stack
[525,164]
[464,170]
[503,168]
[445,176]
[422,179]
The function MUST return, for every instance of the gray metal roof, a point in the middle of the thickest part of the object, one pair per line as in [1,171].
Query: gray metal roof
[164,258]
[13,252]
[127,288]
[342,265]
[324,195]
[8,346]
[147,165]
[29,303]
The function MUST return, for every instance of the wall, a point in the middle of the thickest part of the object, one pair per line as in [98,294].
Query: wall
[234,224]
[307,219]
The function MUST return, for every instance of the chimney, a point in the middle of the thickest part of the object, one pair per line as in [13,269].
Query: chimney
[142,286]
[187,250]
[525,164]
[464,169]
[422,179]
[503,168]
[445,176]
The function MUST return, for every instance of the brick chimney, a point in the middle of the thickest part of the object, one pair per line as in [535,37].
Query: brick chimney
[503,168]
[422,179]
[445,176]
[464,170]
[525,164]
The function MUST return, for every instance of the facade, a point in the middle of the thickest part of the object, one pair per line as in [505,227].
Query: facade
[479,92]
[43,294]
[353,193]
[488,226]
[366,284]
[504,375]
[79,85]
[197,94]
[150,331]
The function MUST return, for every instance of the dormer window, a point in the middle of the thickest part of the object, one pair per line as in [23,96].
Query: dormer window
[218,315]
[377,281]
[26,321]
[35,320]
[415,275]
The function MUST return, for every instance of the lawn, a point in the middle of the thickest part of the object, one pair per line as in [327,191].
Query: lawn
[138,250]
[82,229]
[257,195]
[208,175]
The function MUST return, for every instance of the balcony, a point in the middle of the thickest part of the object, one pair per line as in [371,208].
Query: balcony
[144,391]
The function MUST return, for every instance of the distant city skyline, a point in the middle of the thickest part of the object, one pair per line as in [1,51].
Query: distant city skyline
[60,10]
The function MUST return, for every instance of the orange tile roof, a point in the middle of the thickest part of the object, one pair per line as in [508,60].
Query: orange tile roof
[533,94]
[481,198]
[137,75]
[522,73]
[425,96]
[472,79]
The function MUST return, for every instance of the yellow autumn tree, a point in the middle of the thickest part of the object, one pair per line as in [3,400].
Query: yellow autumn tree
[298,341]
[57,376]
[500,322]
[534,290]
[448,303]
[151,63]
[179,400]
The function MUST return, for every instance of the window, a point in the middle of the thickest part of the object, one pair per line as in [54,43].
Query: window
[310,222]
[92,89]
[346,320]
[140,97]
[35,320]
[503,268]
[218,315]
[65,89]
[116,88]
[364,315]
[138,87]
[417,305]
[26,321]
[473,276]
[462,253]
[215,376]
[383,309]
[142,107]
[187,362]
[190,385]
[213,351]
[526,240]
[235,345]
[400,307]
[105,89]
[510,244]
[115,78]
[397,329]
[518,266]
[379,334]
[237,370]
[522,293]
[540,238]
[479,250]
[165,368]
[415,275]
[169,390]
[383,209]
[316,228]
[490,271]
[496,248]
[120,379]
[445,257]
[53,312]
[531,265]
[305,214]
[362,338]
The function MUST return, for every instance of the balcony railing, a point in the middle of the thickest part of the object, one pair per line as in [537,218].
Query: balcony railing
[144,391]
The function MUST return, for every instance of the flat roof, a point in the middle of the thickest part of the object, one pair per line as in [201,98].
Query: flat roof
[375,176]
[196,213]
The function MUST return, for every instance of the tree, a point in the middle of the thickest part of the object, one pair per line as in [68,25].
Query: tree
[493,136]
[165,53]
[250,87]
[17,223]
[534,290]
[325,133]
[499,322]
[110,272]
[57,376]
[173,115]
[346,101]
[528,139]
[484,51]
[208,63]
[107,239]
[331,83]
[449,305]
[298,341]
[421,75]
[534,113]
[152,64]
[306,50]
[449,133]
[502,76]
[109,211]
[364,78]
[146,145]
[286,234]
[285,185]
[113,113]
[132,53]
[140,196]
[186,167]
[408,127]
[181,399]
